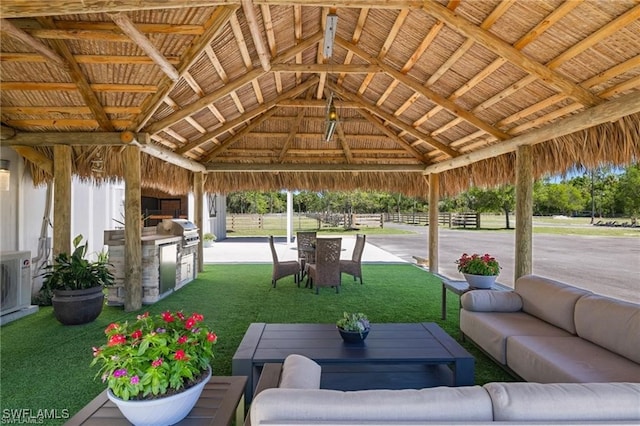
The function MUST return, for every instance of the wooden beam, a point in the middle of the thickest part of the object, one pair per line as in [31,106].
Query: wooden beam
[198,201]
[256,34]
[68,138]
[230,125]
[414,85]
[79,79]
[318,168]
[166,155]
[395,121]
[70,87]
[15,32]
[216,23]
[327,68]
[344,144]
[6,132]
[36,157]
[293,129]
[22,8]
[235,138]
[434,200]
[313,103]
[130,29]
[524,212]
[609,111]
[232,86]
[133,229]
[62,195]
[513,55]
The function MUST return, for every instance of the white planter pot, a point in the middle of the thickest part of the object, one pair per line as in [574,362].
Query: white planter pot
[480,281]
[161,411]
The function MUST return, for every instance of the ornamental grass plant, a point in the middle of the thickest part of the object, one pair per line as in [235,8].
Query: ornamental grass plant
[46,366]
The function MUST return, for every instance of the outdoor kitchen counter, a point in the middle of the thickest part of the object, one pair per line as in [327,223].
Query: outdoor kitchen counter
[149,236]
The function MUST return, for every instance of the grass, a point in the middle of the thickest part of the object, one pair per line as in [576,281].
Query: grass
[45,365]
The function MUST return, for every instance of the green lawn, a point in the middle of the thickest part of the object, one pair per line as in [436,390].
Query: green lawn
[45,365]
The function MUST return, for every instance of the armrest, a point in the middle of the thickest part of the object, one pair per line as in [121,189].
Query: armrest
[269,378]
[491,301]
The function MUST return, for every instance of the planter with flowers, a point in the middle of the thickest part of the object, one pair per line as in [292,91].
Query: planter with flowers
[156,367]
[479,271]
[353,327]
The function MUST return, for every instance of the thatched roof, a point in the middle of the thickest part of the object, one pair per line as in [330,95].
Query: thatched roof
[240,89]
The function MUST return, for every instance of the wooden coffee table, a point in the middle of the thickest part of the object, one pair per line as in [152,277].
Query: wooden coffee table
[394,356]
[221,401]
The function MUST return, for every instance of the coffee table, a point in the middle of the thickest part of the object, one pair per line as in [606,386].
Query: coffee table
[220,403]
[394,356]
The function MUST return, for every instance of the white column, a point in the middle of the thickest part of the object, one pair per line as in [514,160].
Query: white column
[289,217]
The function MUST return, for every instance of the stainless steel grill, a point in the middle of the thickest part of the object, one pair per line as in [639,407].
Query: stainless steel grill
[180,227]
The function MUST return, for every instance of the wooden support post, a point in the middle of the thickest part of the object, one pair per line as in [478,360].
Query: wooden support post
[198,195]
[434,199]
[62,199]
[524,211]
[132,230]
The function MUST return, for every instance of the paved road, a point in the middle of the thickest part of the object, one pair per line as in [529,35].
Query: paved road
[605,265]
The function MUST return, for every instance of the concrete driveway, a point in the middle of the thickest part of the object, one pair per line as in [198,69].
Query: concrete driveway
[604,265]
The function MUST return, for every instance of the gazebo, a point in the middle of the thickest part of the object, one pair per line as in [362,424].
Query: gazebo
[419,97]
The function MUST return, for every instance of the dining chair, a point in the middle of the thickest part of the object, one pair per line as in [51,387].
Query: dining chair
[305,241]
[354,266]
[325,272]
[284,268]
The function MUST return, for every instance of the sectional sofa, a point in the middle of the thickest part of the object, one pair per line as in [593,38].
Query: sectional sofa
[289,394]
[550,332]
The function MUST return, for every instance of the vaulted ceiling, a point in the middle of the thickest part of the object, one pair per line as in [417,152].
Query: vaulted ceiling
[240,89]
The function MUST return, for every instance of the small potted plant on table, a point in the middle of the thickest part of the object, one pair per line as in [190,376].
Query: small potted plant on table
[353,327]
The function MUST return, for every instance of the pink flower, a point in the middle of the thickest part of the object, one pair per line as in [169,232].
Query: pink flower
[157,363]
[96,351]
[212,337]
[180,315]
[167,316]
[141,316]
[182,339]
[110,327]
[136,334]
[180,355]
[116,339]
[189,323]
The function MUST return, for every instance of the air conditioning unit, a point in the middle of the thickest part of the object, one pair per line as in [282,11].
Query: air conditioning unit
[15,284]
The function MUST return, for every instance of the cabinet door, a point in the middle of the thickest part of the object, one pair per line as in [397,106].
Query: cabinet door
[186,269]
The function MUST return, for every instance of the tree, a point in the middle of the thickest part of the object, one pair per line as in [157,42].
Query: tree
[501,199]
[628,188]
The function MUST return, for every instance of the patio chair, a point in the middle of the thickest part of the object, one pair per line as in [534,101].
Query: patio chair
[353,266]
[325,272]
[306,250]
[283,269]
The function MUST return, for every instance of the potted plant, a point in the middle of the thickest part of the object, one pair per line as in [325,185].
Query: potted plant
[74,284]
[208,239]
[353,327]
[479,271]
[156,367]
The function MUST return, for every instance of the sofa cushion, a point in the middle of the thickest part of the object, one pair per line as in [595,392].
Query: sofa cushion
[300,372]
[491,329]
[570,359]
[549,300]
[491,301]
[573,402]
[372,406]
[610,323]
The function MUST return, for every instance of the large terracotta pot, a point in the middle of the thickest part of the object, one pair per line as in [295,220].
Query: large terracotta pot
[74,307]
[164,411]
[480,281]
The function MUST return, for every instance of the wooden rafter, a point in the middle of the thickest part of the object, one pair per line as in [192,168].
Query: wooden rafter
[256,34]
[510,53]
[295,124]
[215,24]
